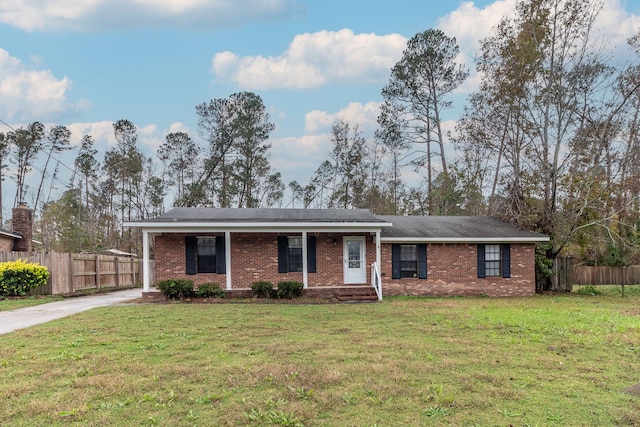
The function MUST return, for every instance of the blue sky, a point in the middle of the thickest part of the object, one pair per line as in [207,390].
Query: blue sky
[88,63]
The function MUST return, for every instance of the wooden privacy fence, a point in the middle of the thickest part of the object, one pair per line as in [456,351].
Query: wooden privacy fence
[563,277]
[603,275]
[566,274]
[74,272]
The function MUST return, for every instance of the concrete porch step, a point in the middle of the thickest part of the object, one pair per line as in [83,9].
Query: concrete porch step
[356,294]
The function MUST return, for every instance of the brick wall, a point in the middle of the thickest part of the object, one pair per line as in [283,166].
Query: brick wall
[452,270]
[254,257]
[171,262]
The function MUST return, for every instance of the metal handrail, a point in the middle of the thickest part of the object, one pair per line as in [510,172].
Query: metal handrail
[376,280]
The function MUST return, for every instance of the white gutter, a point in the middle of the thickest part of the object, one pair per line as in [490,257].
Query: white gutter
[258,225]
[464,239]
[256,228]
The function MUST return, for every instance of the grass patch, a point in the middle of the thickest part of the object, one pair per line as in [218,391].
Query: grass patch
[12,303]
[609,290]
[543,360]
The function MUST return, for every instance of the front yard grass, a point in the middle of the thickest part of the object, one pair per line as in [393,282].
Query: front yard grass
[21,302]
[543,360]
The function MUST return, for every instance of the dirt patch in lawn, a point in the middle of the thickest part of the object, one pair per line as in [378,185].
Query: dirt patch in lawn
[634,389]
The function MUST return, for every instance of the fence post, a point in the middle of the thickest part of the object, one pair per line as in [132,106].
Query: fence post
[569,272]
[97,271]
[71,281]
[117,261]
[133,270]
[562,280]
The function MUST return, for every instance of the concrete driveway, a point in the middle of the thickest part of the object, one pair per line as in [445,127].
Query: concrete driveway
[24,317]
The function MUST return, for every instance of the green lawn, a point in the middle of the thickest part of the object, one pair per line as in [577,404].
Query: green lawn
[21,302]
[543,360]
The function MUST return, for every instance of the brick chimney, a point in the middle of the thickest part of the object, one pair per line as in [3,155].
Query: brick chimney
[22,223]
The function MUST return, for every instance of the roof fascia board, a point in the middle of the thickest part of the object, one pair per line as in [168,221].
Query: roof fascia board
[10,234]
[256,227]
[464,239]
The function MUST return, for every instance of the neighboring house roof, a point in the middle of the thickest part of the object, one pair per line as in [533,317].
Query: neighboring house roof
[118,252]
[10,234]
[268,219]
[444,229]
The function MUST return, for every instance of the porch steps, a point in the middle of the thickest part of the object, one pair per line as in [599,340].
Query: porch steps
[356,294]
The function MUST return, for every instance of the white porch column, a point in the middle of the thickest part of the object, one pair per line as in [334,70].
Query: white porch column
[227,257]
[146,280]
[378,249]
[305,272]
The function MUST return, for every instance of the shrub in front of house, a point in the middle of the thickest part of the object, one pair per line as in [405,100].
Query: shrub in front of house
[19,277]
[290,289]
[262,289]
[176,288]
[210,290]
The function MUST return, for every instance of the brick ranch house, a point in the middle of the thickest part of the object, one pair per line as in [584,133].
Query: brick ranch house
[330,249]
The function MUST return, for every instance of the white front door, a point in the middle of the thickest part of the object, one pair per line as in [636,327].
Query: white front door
[355,267]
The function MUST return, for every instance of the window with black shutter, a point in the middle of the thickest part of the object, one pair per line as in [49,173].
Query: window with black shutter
[294,254]
[494,261]
[204,255]
[290,254]
[408,261]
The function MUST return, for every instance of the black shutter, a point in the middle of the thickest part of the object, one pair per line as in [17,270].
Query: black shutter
[396,271]
[311,254]
[506,260]
[422,261]
[221,255]
[481,262]
[191,252]
[283,247]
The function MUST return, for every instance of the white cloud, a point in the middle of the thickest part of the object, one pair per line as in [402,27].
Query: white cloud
[615,23]
[470,24]
[149,136]
[30,94]
[296,158]
[101,132]
[178,127]
[312,60]
[91,15]
[365,115]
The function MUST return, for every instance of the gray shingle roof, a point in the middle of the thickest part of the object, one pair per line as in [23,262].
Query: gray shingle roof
[418,228]
[453,228]
[266,215]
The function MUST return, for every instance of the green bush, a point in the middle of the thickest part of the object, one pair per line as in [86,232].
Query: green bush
[176,288]
[290,290]
[589,290]
[19,277]
[262,289]
[210,290]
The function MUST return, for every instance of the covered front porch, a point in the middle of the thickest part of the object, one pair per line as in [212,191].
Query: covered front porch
[324,252]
